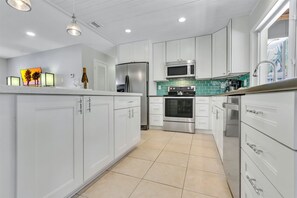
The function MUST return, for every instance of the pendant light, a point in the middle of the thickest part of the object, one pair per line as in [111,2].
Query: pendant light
[73,28]
[21,5]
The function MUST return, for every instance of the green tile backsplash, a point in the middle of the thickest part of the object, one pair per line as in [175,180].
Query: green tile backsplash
[203,87]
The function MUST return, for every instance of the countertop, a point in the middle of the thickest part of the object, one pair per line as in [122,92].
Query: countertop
[60,91]
[285,85]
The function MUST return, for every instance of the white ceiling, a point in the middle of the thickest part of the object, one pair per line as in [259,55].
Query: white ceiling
[156,20]
[48,23]
[149,19]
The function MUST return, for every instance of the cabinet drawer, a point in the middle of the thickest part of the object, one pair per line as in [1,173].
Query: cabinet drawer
[274,159]
[273,114]
[202,100]
[202,123]
[156,109]
[121,102]
[202,110]
[246,192]
[156,120]
[156,100]
[255,180]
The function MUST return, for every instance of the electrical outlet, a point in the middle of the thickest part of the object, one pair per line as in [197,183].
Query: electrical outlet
[159,87]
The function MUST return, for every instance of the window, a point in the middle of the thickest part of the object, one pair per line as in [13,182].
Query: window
[273,38]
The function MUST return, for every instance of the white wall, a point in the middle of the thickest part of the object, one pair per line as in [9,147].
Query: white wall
[3,71]
[62,62]
[88,57]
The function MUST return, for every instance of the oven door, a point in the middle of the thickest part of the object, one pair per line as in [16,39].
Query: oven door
[179,109]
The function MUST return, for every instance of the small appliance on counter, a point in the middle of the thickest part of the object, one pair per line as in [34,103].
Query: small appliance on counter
[233,84]
[179,109]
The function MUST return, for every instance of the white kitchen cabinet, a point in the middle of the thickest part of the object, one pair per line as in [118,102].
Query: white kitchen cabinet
[238,46]
[159,59]
[179,50]
[98,134]
[203,57]
[219,53]
[202,113]
[187,49]
[7,145]
[133,52]
[126,129]
[49,145]
[172,51]
[156,111]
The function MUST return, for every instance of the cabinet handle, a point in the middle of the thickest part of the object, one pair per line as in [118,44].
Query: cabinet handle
[129,113]
[255,112]
[132,113]
[254,148]
[89,103]
[253,183]
[80,106]
[131,101]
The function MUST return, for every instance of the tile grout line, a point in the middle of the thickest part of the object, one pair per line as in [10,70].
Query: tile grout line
[147,170]
[187,167]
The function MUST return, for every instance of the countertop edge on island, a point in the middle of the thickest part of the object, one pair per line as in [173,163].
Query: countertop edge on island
[60,91]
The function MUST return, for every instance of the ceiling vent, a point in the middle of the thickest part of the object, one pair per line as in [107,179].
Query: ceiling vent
[95,25]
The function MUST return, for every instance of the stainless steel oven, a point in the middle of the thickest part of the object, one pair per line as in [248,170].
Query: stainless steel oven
[179,114]
[180,69]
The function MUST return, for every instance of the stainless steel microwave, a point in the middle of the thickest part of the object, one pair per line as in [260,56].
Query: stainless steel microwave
[180,69]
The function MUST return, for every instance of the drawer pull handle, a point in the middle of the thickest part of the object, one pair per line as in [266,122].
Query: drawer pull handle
[253,183]
[254,148]
[130,101]
[255,112]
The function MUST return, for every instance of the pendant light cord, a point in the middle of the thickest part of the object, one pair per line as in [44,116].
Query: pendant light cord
[73,7]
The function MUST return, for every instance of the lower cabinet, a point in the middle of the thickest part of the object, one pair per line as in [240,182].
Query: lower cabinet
[65,141]
[127,129]
[98,134]
[49,145]
[218,128]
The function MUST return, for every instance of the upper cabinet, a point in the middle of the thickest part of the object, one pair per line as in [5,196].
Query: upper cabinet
[133,52]
[238,46]
[178,50]
[203,57]
[159,59]
[219,53]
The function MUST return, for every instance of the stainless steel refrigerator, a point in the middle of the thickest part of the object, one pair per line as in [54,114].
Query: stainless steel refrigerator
[134,77]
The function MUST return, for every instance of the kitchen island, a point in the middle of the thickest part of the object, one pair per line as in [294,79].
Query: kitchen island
[54,141]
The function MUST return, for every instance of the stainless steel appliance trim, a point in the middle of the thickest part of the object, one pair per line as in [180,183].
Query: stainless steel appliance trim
[185,127]
[191,120]
[187,64]
[232,140]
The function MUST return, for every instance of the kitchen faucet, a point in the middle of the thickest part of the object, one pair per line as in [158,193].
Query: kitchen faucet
[267,62]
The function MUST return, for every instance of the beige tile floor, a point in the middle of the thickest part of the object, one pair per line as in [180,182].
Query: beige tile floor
[165,165]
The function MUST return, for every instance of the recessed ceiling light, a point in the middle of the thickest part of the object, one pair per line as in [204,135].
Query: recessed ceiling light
[182,19]
[32,34]
[128,31]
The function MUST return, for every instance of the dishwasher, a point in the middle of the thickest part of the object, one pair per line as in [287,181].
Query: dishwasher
[231,144]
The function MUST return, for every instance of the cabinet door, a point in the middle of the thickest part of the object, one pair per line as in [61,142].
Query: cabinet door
[229,47]
[203,57]
[187,49]
[98,134]
[49,145]
[172,51]
[159,61]
[121,117]
[134,127]
[140,51]
[7,145]
[124,53]
[219,48]
[220,131]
